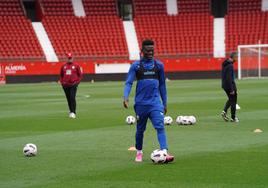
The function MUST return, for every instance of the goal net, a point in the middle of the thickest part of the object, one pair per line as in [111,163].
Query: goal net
[252,61]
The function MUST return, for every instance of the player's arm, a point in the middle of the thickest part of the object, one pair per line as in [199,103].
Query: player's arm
[162,86]
[229,78]
[79,73]
[128,84]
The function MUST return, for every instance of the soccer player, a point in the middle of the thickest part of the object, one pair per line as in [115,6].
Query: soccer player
[150,98]
[229,86]
[70,77]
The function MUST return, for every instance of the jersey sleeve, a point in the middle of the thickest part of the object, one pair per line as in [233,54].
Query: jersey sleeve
[79,73]
[229,77]
[129,81]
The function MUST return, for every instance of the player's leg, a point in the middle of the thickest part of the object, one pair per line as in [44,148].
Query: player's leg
[142,117]
[157,118]
[233,101]
[67,94]
[73,91]
[226,107]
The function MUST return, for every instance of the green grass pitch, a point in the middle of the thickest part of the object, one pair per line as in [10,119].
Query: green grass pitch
[92,150]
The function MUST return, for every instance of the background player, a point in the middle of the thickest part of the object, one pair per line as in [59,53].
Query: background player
[229,86]
[70,77]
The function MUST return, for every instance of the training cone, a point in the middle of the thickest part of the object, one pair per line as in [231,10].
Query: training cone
[132,148]
[237,107]
[257,131]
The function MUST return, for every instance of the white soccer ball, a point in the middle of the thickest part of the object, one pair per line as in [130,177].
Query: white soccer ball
[192,119]
[130,120]
[184,120]
[30,150]
[158,156]
[168,120]
[179,120]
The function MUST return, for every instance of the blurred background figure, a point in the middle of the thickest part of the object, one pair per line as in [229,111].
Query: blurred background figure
[70,77]
[229,86]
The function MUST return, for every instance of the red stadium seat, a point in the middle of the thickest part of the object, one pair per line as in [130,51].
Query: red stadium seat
[247,27]
[18,40]
[176,35]
[242,5]
[91,36]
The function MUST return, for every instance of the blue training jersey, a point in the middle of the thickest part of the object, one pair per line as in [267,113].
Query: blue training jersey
[149,91]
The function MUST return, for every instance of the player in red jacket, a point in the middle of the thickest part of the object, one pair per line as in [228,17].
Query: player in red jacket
[70,77]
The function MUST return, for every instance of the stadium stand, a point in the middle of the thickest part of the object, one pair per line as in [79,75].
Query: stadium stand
[150,7]
[57,7]
[242,5]
[10,8]
[18,39]
[95,36]
[193,6]
[175,35]
[99,7]
[245,24]
[187,33]
[101,35]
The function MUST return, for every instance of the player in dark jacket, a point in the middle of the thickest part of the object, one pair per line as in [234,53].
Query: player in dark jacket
[229,86]
[70,77]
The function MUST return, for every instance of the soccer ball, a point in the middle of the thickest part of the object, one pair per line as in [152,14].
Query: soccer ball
[30,150]
[186,120]
[130,120]
[158,156]
[192,119]
[179,120]
[168,120]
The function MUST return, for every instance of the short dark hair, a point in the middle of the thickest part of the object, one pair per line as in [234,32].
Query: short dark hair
[147,42]
[233,54]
